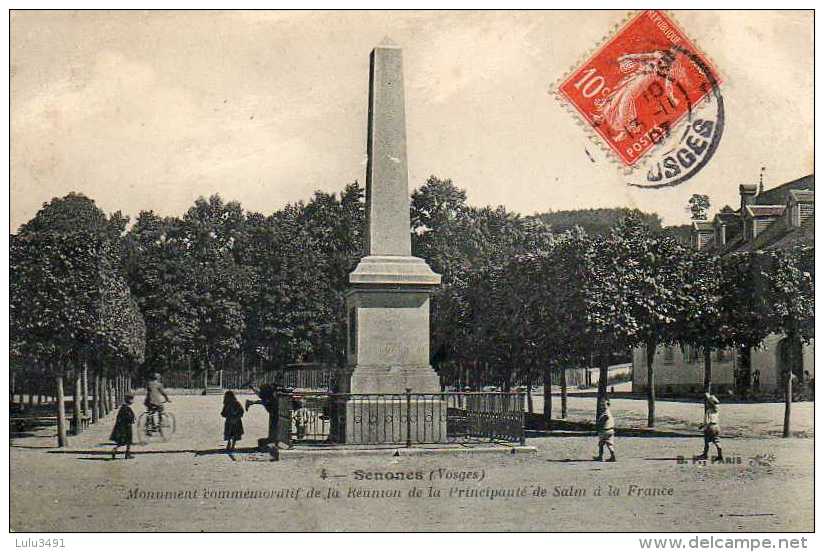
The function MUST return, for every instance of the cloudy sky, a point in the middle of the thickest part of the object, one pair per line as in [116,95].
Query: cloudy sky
[149,110]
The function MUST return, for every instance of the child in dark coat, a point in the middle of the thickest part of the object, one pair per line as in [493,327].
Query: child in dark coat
[122,431]
[233,427]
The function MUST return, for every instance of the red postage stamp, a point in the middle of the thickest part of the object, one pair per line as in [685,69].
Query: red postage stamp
[640,84]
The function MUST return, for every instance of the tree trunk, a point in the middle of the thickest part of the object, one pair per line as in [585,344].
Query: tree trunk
[603,374]
[563,393]
[84,390]
[529,406]
[547,397]
[62,441]
[76,402]
[744,370]
[792,347]
[104,394]
[98,403]
[96,390]
[788,403]
[651,345]
[707,369]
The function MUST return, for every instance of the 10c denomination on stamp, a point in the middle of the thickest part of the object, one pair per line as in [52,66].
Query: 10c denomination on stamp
[636,89]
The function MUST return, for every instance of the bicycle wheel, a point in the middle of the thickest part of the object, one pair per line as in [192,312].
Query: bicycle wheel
[166,428]
[142,435]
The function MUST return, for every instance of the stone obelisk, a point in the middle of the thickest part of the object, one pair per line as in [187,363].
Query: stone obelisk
[388,300]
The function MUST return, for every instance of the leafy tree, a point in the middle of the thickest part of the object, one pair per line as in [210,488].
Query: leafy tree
[72,213]
[701,321]
[161,275]
[699,205]
[68,303]
[790,308]
[68,293]
[742,307]
[301,257]
[444,234]
[596,222]
[650,273]
[610,274]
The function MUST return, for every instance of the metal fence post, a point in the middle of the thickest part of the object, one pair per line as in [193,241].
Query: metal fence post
[521,408]
[408,417]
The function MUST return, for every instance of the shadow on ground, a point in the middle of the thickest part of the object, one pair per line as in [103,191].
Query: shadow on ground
[107,452]
[536,429]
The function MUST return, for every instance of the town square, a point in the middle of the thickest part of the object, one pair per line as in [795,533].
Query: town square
[461,272]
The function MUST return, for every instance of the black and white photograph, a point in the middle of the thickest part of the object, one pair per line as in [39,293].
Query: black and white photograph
[416,271]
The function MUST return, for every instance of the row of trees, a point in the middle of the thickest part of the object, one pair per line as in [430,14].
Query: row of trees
[529,301]
[633,288]
[70,305]
[523,300]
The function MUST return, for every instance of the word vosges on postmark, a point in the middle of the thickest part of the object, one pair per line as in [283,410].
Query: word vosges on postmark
[640,92]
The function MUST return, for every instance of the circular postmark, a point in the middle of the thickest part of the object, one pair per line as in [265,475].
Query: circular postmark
[643,95]
[684,148]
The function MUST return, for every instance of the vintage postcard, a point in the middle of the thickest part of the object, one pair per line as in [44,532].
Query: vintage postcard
[412,271]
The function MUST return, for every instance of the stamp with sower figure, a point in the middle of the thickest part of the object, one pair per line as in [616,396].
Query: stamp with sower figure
[640,92]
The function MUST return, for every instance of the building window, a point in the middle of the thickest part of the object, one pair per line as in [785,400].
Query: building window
[805,211]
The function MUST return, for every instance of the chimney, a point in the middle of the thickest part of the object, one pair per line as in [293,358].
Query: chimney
[761,181]
[747,192]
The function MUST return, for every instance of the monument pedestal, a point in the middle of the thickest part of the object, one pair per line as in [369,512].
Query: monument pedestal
[388,353]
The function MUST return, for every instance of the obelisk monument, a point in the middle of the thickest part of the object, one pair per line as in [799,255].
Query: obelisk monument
[388,300]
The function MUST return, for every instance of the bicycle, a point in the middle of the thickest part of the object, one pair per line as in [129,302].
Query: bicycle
[155,423]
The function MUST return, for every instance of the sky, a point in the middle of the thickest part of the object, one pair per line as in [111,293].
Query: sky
[150,110]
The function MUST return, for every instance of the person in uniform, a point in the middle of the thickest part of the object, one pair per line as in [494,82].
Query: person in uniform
[122,431]
[712,426]
[606,434]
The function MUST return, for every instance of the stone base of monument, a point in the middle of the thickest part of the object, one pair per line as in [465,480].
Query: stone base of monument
[392,395]
[392,420]
[448,449]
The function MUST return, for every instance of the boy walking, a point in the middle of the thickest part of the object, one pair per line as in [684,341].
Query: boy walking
[606,434]
[712,427]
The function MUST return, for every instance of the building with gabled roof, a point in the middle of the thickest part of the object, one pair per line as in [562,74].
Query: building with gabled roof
[777,218]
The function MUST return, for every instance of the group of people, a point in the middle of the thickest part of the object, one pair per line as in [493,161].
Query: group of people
[233,412]
[122,434]
[711,427]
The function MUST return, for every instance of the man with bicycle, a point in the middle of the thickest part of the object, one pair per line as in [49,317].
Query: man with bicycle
[155,397]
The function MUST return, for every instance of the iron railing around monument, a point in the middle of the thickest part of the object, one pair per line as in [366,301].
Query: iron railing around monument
[401,419]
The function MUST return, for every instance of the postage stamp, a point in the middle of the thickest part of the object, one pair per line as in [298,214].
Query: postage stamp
[637,90]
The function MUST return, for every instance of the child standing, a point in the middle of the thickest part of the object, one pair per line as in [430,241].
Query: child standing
[233,427]
[606,434]
[712,426]
[122,431]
